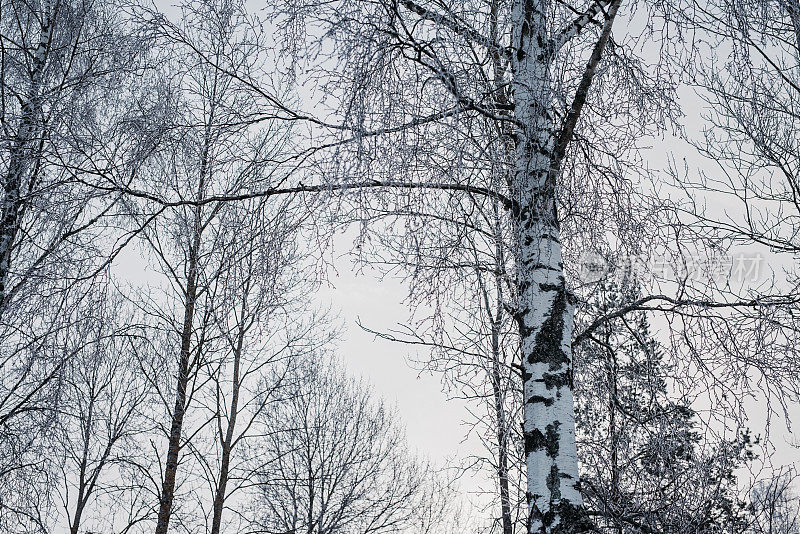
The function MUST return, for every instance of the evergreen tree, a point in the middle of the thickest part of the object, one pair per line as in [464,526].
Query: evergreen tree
[646,465]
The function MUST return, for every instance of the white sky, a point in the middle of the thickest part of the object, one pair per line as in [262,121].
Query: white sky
[435,424]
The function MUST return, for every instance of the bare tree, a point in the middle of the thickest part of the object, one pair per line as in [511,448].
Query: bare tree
[451,107]
[335,462]
[740,199]
[64,68]
[100,421]
[219,147]
[497,132]
[413,86]
[69,454]
[776,506]
[266,332]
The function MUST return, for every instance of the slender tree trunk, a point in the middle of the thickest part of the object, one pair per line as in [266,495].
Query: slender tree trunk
[76,521]
[190,301]
[87,486]
[179,410]
[310,527]
[219,493]
[227,439]
[222,483]
[502,434]
[613,390]
[81,499]
[88,480]
[545,309]
[498,394]
[499,95]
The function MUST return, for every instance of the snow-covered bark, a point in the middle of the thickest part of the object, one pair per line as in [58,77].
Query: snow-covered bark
[22,156]
[545,311]
[436,43]
[545,319]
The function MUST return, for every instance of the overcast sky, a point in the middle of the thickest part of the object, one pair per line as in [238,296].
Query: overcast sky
[434,423]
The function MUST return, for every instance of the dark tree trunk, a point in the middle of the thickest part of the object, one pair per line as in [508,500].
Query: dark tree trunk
[179,410]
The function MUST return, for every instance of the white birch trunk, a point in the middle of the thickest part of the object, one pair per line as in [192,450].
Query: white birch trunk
[545,312]
[22,154]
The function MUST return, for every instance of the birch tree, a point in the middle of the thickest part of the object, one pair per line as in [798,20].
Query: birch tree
[64,68]
[412,84]
[220,147]
[58,59]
